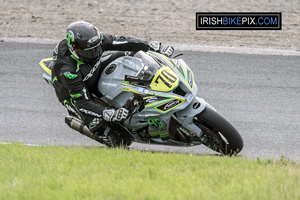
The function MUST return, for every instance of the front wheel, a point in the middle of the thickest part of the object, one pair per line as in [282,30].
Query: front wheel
[218,134]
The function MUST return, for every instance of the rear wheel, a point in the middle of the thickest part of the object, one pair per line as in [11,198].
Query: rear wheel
[218,134]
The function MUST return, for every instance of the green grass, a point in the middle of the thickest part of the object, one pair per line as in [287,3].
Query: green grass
[49,172]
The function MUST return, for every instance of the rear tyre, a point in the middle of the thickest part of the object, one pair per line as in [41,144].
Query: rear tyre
[218,134]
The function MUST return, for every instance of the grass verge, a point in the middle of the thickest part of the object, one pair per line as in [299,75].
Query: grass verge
[49,172]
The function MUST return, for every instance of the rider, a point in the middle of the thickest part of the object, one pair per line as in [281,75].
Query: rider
[78,63]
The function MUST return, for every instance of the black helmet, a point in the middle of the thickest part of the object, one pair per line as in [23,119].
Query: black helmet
[84,41]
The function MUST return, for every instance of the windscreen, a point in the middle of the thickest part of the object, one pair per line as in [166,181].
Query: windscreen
[149,68]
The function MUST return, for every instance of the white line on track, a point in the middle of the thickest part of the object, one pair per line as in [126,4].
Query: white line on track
[182,47]
[33,145]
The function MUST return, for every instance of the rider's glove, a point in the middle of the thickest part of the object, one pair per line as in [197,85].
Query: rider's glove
[166,50]
[163,49]
[112,115]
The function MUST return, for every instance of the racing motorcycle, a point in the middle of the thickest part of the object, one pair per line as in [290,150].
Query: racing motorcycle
[161,95]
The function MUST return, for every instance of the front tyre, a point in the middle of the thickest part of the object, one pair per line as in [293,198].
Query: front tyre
[218,134]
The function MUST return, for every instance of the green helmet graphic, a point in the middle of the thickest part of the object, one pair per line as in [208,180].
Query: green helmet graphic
[70,39]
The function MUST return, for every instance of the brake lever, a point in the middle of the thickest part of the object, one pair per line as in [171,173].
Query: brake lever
[181,54]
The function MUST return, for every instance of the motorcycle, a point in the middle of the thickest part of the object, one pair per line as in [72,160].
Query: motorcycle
[161,95]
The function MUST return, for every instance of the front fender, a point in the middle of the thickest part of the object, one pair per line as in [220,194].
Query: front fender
[186,116]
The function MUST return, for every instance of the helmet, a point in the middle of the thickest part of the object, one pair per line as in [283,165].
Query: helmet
[84,41]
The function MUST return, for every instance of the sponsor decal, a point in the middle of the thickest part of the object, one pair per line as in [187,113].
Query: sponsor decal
[157,123]
[142,90]
[151,100]
[190,78]
[109,84]
[179,67]
[169,105]
[238,21]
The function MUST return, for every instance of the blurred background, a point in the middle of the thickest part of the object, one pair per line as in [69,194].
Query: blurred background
[168,21]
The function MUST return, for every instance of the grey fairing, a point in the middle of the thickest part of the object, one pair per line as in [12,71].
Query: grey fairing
[109,85]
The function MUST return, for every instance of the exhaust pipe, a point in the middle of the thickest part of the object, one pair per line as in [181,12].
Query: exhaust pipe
[77,125]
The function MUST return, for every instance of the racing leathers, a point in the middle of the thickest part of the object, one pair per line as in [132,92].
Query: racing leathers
[75,82]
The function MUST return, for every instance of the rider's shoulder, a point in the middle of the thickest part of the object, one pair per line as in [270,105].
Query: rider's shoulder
[69,71]
[62,44]
[106,38]
[66,63]
[69,63]
[61,49]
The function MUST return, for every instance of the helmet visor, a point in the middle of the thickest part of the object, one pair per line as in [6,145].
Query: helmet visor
[90,53]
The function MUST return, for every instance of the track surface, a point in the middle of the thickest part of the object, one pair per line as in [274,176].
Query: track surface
[259,94]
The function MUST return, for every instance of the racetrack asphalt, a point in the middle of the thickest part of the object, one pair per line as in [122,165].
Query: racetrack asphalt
[258,94]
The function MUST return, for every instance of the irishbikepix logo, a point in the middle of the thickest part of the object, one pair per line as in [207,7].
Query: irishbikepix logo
[238,21]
